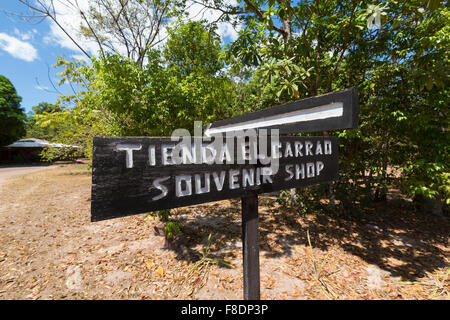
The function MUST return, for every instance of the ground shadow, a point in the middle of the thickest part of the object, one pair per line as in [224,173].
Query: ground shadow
[391,234]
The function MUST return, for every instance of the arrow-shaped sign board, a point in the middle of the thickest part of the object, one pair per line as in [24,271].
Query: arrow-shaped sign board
[332,111]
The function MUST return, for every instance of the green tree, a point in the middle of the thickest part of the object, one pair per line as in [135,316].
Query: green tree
[129,26]
[395,52]
[119,98]
[200,88]
[11,114]
[193,47]
[33,130]
[43,107]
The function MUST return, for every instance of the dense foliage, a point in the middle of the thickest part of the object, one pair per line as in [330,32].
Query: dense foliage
[33,130]
[11,114]
[120,97]
[395,52]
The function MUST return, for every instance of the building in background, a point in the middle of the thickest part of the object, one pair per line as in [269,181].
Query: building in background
[28,150]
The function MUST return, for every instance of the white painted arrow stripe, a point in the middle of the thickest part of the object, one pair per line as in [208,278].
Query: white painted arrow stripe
[332,110]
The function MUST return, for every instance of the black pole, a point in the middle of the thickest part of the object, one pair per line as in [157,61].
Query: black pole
[250,250]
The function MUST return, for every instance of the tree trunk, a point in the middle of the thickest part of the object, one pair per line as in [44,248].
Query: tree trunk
[380,193]
[287,21]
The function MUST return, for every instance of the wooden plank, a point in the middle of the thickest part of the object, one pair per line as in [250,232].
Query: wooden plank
[122,186]
[332,111]
[250,249]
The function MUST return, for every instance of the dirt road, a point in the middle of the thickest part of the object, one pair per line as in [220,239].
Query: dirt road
[14,170]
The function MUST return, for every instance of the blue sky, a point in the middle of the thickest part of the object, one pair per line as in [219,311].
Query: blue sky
[29,51]
[27,57]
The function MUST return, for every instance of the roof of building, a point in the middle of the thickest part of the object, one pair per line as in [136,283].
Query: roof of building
[36,143]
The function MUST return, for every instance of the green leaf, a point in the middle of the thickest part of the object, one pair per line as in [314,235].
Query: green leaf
[429,84]
[433,4]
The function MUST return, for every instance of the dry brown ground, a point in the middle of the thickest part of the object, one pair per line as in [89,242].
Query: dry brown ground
[49,249]
[7,171]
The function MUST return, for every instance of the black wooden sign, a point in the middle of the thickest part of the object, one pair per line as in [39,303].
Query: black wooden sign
[138,174]
[142,174]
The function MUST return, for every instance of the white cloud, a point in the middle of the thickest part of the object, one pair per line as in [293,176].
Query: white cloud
[81,57]
[68,16]
[25,36]
[43,88]
[70,20]
[198,12]
[17,48]
[226,30]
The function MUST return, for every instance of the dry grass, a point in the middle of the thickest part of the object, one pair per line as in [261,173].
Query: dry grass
[49,249]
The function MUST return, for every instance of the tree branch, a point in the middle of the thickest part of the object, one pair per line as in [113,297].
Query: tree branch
[45,11]
[346,43]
